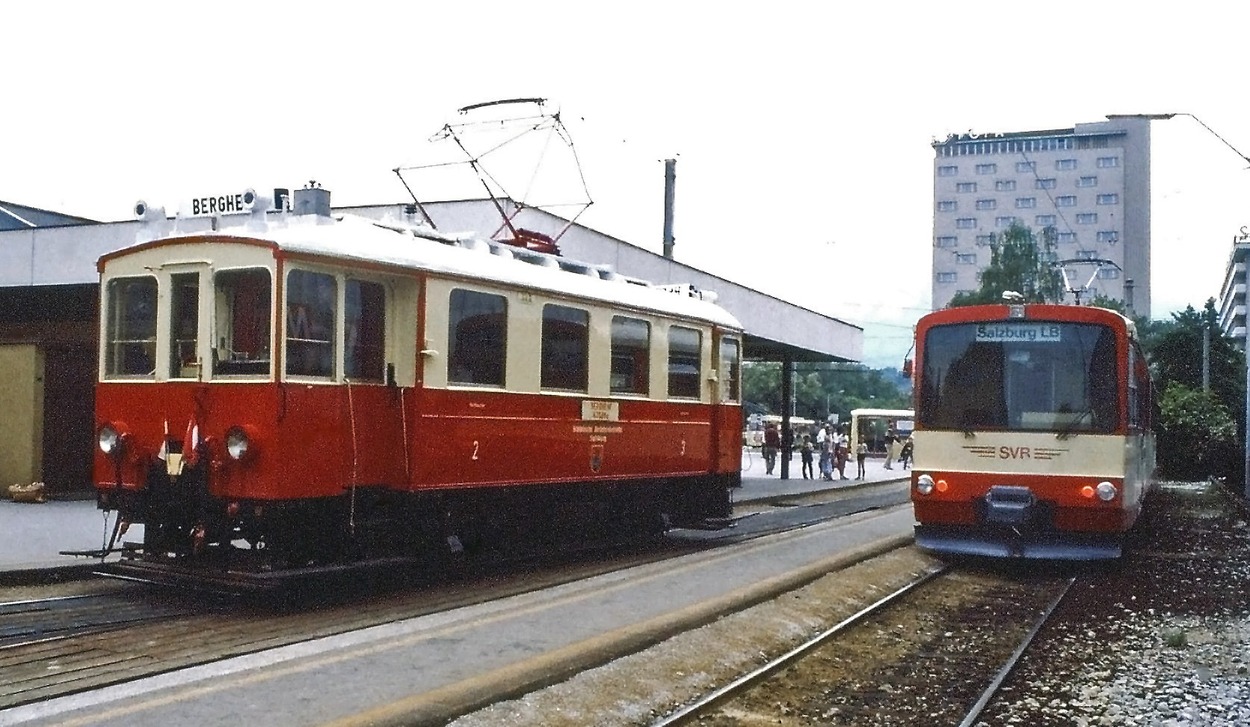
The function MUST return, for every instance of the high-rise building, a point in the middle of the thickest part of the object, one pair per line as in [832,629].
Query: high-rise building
[1087,188]
[1233,293]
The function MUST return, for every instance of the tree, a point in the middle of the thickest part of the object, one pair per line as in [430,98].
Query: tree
[1198,432]
[821,389]
[1019,262]
[1197,437]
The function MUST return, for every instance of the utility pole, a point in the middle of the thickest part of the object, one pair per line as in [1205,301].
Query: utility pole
[670,190]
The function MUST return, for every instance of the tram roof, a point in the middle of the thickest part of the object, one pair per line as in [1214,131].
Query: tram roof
[417,247]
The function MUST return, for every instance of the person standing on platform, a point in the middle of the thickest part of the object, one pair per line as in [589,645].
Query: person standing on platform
[905,453]
[772,445]
[806,454]
[823,439]
[841,451]
[861,456]
[890,439]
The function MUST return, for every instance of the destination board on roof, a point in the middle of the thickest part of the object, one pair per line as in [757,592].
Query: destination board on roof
[1021,332]
[221,204]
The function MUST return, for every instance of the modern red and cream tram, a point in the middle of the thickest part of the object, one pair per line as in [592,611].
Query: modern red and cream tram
[1033,431]
[307,392]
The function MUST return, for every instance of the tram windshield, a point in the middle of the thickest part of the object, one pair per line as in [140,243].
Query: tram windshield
[1019,375]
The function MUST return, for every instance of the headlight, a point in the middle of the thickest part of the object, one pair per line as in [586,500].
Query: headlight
[237,443]
[924,484]
[110,441]
[1106,491]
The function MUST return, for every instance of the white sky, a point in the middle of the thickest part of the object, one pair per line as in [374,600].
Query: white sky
[802,130]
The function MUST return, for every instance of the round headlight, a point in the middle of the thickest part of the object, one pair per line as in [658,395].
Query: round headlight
[237,443]
[1106,491]
[110,441]
[924,484]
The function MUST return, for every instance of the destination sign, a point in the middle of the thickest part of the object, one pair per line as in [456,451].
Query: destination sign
[222,204]
[1025,332]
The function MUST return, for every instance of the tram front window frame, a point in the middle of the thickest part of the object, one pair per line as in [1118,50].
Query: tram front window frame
[1020,376]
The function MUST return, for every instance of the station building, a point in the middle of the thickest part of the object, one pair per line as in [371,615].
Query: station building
[49,309]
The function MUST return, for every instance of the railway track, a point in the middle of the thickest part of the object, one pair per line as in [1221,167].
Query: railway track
[63,644]
[31,622]
[935,651]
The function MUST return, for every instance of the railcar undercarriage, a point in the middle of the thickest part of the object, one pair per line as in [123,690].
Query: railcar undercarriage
[191,536]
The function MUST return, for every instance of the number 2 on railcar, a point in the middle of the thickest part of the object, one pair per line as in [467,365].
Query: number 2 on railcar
[309,393]
[1033,431]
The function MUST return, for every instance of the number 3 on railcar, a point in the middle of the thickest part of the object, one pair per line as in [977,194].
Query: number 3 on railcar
[1033,431]
[306,393]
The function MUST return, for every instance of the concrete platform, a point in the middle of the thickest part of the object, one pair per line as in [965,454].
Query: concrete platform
[36,533]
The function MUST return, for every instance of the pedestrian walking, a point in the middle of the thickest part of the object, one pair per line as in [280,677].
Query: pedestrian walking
[905,454]
[772,445]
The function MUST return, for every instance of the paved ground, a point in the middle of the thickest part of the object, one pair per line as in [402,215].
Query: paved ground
[35,534]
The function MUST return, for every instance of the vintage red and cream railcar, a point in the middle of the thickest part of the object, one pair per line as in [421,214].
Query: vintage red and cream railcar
[307,392]
[1033,431]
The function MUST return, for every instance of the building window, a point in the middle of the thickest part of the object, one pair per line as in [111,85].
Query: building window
[1005,185]
[966,258]
[1004,221]
[1026,167]
[631,356]
[1065,200]
[986,204]
[987,169]
[1044,220]
[1087,218]
[1108,273]
[965,223]
[947,277]
[1110,198]
[1087,181]
[131,327]
[1108,162]
[947,241]
[948,170]
[311,299]
[1066,237]
[364,323]
[1065,165]
[966,187]
[1026,203]
[1087,254]
[1110,237]
[564,348]
[684,345]
[947,205]
[1047,183]
[985,240]
[477,338]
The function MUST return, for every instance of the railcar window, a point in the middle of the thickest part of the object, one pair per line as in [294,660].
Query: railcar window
[310,333]
[184,325]
[242,322]
[1021,376]
[684,345]
[477,343]
[565,348]
[365,327]
[730,369]
[631,356]
[131,346]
